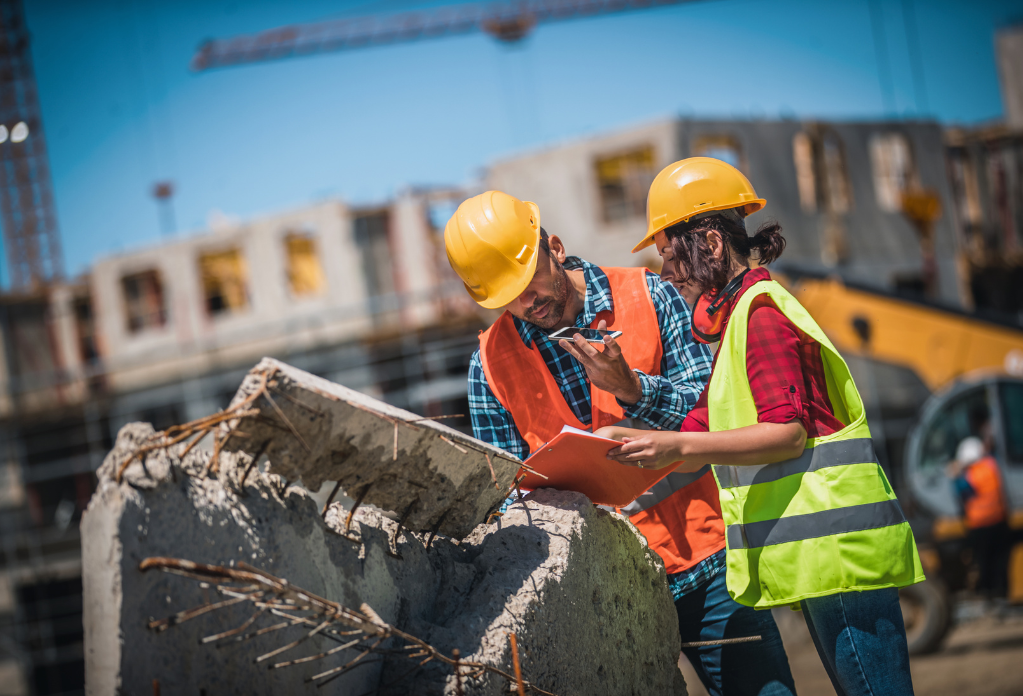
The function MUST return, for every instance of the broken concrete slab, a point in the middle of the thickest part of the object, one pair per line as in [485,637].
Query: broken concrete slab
[579,587]
[585,596]
[431,476]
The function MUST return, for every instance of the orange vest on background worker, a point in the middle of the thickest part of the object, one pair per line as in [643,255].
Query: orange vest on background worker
[680,516]
[987,504]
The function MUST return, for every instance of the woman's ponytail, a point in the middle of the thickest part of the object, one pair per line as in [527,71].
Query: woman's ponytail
[768,243]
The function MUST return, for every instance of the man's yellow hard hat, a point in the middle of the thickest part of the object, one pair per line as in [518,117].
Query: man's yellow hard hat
[492,242]
[694,186]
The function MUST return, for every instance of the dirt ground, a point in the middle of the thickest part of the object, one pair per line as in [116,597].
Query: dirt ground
[980,658]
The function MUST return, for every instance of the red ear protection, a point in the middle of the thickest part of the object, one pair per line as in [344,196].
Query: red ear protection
[707,322]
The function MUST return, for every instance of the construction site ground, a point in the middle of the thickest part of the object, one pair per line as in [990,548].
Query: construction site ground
[979,658]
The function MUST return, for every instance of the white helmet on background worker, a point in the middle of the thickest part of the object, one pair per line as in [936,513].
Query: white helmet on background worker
[970,450]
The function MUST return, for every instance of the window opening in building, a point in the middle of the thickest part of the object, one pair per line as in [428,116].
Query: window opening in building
[305,274]
[893,169]
[821,173]
[144,301]
[722,147]
[85,327]
[624,180]
[224,280]
[836,178]
[806,176]
[372,237]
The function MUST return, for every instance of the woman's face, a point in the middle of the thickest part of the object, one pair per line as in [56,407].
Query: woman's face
[668,272]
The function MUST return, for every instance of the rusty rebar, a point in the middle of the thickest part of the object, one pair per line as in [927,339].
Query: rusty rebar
[455,655]
[272,594]
[516,665]
[330,499]
[252,465]
[358,502]
[724,641]
[492,474]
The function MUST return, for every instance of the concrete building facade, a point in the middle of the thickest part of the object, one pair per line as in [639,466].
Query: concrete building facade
[836,189]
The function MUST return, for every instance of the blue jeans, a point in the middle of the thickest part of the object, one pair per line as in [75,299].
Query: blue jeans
[862,642]
[744,669]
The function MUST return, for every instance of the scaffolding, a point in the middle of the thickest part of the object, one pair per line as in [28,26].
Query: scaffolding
[26,193]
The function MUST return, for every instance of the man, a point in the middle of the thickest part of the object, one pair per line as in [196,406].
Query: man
[977,481]
[524,387]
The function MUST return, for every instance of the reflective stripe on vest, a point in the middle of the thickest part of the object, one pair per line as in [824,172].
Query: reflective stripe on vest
[660,491]
[855,518]
[824,455]
[821,523]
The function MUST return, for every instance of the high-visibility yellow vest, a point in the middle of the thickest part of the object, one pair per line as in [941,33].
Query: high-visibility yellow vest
[822,523]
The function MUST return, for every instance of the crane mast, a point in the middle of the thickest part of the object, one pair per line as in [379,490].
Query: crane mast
[31,236]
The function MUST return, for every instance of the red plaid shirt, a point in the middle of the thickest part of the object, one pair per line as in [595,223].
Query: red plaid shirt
[785,368]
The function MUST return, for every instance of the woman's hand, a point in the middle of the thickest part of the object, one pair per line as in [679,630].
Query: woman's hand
[649,449]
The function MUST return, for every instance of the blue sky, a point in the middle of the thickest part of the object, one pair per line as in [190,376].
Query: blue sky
[122,110]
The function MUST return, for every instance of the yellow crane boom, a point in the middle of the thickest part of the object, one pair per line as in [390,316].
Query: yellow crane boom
[939,344]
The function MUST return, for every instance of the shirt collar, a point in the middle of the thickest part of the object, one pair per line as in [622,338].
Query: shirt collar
[754,276]
[598,299]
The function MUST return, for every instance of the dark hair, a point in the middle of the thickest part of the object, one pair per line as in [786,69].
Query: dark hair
[694,262]
[545,246]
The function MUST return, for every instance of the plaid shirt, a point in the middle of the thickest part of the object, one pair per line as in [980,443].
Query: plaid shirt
[691,578]
[685,367]
[785,368]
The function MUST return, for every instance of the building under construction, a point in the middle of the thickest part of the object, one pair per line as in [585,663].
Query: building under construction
[364,296]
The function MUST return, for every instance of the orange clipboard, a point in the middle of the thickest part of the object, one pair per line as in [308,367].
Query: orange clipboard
[576,460]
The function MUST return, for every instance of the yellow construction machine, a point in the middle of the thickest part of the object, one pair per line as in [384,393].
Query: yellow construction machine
[924,369]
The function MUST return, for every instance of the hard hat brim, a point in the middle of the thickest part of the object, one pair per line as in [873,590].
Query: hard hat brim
[757,204]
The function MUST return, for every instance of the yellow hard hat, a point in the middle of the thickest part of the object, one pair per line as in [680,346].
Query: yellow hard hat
[693,186]
[492,241]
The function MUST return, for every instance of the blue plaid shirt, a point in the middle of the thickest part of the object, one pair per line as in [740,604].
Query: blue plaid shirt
[667,398]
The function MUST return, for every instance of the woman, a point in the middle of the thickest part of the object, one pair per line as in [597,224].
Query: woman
[811,520]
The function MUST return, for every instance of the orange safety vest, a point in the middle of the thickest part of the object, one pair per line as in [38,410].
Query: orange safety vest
[680,516]
[987,505]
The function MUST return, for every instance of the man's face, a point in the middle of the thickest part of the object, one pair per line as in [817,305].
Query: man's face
[544,300]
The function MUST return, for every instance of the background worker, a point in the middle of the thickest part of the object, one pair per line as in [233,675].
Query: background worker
[810,517]
[524,387]
[978,485]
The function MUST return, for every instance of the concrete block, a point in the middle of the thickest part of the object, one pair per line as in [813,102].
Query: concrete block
[428,474]
[579,587]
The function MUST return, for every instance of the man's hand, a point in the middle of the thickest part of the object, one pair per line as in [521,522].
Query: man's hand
[607,369]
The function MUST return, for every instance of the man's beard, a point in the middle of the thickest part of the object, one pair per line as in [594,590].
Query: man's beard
[557,301]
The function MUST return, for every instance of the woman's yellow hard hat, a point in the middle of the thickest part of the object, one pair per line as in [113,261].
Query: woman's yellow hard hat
[694,186]
[492,242]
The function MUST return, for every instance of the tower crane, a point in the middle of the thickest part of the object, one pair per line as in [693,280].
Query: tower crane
[505,21]
[31,236]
